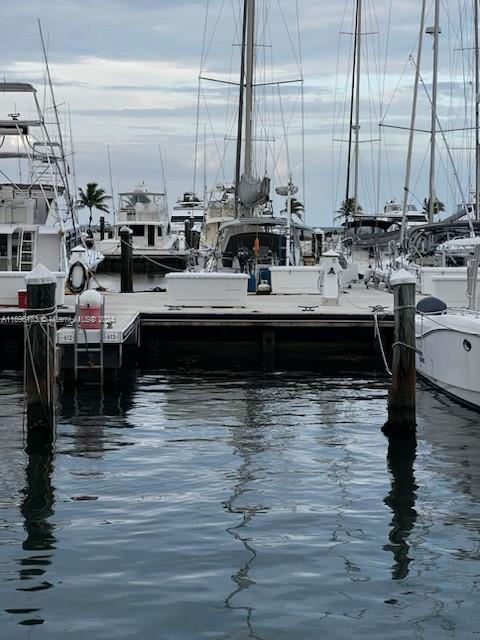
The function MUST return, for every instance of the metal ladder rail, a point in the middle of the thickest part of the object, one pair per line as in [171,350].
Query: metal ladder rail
[77,350]
[27,249]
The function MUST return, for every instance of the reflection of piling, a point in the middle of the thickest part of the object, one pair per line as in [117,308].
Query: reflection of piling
[40,336]
[126,277]
[401,395]
[401,500]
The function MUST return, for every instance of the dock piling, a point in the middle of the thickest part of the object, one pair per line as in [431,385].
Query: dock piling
[40,343]
[401,395]
[126,276]
[102,227]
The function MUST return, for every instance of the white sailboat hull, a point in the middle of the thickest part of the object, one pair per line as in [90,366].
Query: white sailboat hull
[449,354]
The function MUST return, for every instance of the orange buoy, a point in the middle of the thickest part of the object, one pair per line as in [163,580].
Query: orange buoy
[256,245]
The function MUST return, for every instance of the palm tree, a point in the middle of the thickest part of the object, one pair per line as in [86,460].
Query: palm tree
[92,198]
[348,207]
[438,206]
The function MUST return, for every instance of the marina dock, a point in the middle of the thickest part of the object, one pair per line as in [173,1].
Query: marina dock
[271,330]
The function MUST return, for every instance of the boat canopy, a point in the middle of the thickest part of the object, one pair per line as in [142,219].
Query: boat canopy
[16,87]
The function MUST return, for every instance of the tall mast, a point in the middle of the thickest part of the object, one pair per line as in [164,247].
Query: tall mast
[477,115]
[406,188]
[249,59]
[357,102]
[431,189]
[352,106]
[241,93]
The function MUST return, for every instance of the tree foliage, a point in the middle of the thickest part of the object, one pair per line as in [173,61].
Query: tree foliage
[92,198]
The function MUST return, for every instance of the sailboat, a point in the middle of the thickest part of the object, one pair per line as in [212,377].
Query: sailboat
[256,237]
[448,340]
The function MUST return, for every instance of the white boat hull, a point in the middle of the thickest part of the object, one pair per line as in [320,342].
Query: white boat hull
[449,354]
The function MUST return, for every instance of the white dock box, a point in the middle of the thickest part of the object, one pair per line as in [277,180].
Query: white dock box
[207,289]
[295,279]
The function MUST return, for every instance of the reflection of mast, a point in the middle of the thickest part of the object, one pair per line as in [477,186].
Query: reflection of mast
[247,448]
[401,500]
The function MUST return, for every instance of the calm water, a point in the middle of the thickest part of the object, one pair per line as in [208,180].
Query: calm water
[239,506]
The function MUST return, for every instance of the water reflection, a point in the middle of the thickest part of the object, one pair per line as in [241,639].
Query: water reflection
[401,500]
[37,509]
[248,442]
[92,410]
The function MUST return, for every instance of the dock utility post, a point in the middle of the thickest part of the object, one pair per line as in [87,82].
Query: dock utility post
[401,395]
[126,279]
[40,340]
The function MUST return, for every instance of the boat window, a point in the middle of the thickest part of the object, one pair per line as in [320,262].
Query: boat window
[138,230]
[467,345]
[3,252]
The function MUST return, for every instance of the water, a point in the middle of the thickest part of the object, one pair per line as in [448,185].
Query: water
[141,281]
[215,506]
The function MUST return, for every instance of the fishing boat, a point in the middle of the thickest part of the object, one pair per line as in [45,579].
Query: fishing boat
[186,220]
[37,222]
[155,247]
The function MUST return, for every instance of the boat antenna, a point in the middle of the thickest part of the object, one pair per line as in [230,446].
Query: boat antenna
[162,166]
[57,120]
[406,188]
[74,171]
[114,210]
[241,92]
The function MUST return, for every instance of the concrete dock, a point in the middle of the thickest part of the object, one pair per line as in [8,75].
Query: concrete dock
[270,331]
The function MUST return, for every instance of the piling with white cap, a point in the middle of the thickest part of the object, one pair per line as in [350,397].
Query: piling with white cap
[401,395]
[40,338]
[126,274]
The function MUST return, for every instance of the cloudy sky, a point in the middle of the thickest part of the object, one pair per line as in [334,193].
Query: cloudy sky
[128,71]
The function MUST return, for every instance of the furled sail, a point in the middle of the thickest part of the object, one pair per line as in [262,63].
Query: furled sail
[253,191]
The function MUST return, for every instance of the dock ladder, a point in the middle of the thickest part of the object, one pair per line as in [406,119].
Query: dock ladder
[83,350]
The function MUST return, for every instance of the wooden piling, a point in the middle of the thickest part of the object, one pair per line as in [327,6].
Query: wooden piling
[40,343]
[401,395]
[126,275]
[268,349]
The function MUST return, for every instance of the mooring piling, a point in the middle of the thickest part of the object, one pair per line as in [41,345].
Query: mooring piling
[126,276]
[401,395]
[40,339]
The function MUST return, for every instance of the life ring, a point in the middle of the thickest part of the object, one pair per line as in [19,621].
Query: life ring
[77,277]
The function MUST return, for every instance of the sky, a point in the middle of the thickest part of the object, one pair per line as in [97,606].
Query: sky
[128,73]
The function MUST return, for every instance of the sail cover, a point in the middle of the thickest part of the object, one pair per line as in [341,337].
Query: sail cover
[253,191]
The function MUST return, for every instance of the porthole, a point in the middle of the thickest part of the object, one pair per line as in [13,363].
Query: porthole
[467,345]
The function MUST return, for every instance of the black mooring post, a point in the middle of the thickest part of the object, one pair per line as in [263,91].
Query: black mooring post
[40,338]
[401,395]
[126,277]
[102,227]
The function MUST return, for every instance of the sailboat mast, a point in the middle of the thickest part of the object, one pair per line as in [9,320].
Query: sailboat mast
[408,170]
[250,60]
[352,107]
[241,94]
[357,103]
[477,114]
[431,189]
